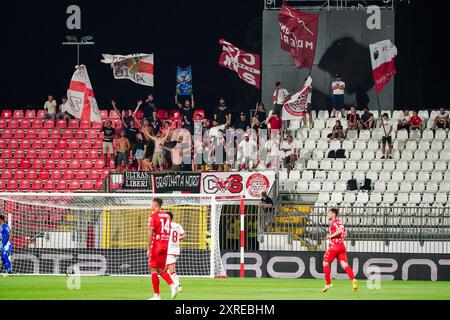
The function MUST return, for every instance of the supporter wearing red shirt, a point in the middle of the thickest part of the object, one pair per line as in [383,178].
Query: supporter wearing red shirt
[275,122]
[416,121]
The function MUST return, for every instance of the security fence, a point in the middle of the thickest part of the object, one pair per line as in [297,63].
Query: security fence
[369,229]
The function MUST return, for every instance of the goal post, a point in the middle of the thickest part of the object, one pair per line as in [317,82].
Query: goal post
[107,234]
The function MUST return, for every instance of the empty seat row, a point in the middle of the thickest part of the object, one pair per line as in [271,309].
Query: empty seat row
[378,165]
[51,133]
[50,185]
[48,124]
[16,145]
[54,174]
[67,154]
[379,198]
[55,164]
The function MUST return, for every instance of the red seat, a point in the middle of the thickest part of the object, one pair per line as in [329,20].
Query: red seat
[81,175]
[60,124]
[43,134]
[37,185]
[61,185]
[68,175]
[74,164]
[93,174]
[19,153]
[87,185]
[98,144]
[25,144]
[80,134]
[104,174]
[73,124]
[49,124]
[44,175]
[6,153]
[87,164]
[41,114]
[31,134]
[25,164]
[74,185]
[44,154]
[19,134]
[25,184]
[99,164]
[56,174]
[174,115]
[2,144]
[2,185]
[55,134]
[25,124]
[98,185]
[12,164]
[49,185]
[37,164]
[37,144]
[7,114]
[7,174]
[49,144]
[85,124]
[162,114]
[55,155]
[3,124]
[12,185]
[30,114]
[19,174]
[18,114]
[201,113]
[31,174]
[13,124]
[92,134]
[61,144]
[80,154]
[2,164]
[67,134]
[49,164]
[37,124]
[67,154]
[7,134]
[96,125]
[92,154]
[86,144]
[73,144]
[13,144]
[62,164]
[31,154]
[104,114]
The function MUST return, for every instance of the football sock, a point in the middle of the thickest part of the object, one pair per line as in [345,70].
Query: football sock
[167,278]
[155,282]
[350,273]
[327,271]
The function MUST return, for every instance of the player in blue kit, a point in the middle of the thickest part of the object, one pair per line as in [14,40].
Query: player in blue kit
[6,234]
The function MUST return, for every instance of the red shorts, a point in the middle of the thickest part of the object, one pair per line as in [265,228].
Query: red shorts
[158,257]
[335,252]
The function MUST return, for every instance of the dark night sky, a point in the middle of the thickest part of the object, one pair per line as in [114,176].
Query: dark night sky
[182,32]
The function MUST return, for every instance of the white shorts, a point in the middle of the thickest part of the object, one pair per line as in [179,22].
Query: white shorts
[171,259]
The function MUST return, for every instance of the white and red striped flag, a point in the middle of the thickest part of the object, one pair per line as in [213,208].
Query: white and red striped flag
[383,56]
[81,102]
[138,68]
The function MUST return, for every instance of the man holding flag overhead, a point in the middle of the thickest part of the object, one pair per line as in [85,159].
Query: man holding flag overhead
[297,106]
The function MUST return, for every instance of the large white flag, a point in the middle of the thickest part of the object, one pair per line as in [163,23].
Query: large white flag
[135,67]
[295,107]
[81,102]
[383,56]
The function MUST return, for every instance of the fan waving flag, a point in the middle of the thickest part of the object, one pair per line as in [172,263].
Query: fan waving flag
[81,102]
[295,107]
[138,68]
[383,56]
[246,65]
[298,35]
[184,81]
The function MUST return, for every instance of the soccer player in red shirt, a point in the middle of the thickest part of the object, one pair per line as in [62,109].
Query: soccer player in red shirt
[336,250]
[159,236]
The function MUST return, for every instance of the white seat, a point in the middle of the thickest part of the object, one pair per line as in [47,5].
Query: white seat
[335,144]
[373,145]
[360,145]
[447,176]
[424,145]
[351,165]
[415,198]
[411,145]
[402,135]
[325,133]
[315,134]
[445,155]
[322,145]
[427,165]
[319,124]
[402,166]
[428,198]
[407,155]
[378,134]
[338,165]
[331,122]
[396,155]
[310,145]
[447,144]
[405,187]
[294,125]
[441,198]
[346,175]
[415,135]
[365,135]
[428,135]
[444,187]
[349,197]
[347,145]
[283,176]
[312,165]
[323,115]
[418,187]
[403,198]
[372,175]
[389,198]
[333,176]
[303,134]
[440,135]
[424,114]
[397,176]
[308,176]
[340,186]
[302,186]
[356,155]
[320,175]
[420,155]
[432,187]
[410,176]
[436,146]
[315,186]
[376,198]
[364,166]
[369,155]
[325,165]
[392,187]
[336,197]
[294,175]
[362,198]
[415,166]
[389,165]
[423,176]
[376,166]
[324,197]
[436,176]
[379,187]
[396,115]
[384,176]
[328,186]
[352,135]
[360,176]
[433,156]
[318,154]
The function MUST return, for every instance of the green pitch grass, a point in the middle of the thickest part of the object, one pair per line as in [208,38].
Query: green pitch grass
[139,288]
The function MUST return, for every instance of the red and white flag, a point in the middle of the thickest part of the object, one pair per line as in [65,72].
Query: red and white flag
[246,65]
[138,68]
[81,102]
[298,35]
[295,107]
[383,56]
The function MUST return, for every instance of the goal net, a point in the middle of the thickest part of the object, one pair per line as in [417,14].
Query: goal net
[107,234]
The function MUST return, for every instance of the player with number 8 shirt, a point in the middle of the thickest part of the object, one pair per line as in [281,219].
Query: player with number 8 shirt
[176,235]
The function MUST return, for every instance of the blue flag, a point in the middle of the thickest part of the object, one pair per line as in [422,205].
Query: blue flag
[184,81]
